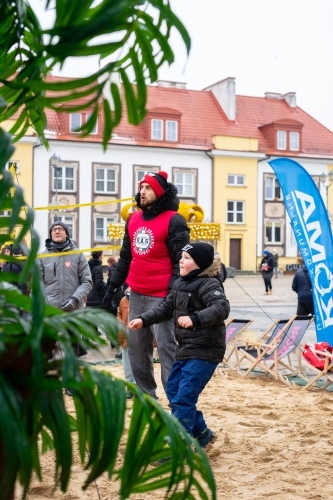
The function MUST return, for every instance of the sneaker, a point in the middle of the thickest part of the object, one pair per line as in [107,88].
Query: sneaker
[118,355]
[68,392]
[206,437]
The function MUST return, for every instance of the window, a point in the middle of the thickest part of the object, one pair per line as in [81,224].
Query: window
[94,130]
[75,122]
[272,189]
[63,178]
[236,180]
[139,172]
[184,183]
[273,232]
[281,139]
[13,163]
[235,212]
[157,130]
[294,141]
[105,180]
[69,220]
[102,228]
[171,131]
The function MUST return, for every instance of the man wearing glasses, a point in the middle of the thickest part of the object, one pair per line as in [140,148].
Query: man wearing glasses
[66,277]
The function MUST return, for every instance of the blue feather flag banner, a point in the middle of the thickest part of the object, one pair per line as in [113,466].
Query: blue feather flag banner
[313,234]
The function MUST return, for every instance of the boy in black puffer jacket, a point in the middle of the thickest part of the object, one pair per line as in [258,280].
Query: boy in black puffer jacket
[198,307]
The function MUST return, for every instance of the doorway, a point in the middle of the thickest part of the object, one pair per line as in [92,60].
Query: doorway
[235,252]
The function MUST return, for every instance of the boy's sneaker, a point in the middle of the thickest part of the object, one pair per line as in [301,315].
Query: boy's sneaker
[206,437]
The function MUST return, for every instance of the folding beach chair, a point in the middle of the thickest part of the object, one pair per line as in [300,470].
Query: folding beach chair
[325,373]
[283,344]
[251,347]
[234,328]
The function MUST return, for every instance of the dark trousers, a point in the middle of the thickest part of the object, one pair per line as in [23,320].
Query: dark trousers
[268,281]
[186,382]
[305,308]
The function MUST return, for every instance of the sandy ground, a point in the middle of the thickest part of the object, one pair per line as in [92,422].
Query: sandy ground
[273,442]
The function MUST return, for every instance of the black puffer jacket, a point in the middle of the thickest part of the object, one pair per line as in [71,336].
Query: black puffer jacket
[178,235]
[97,292]
[301,285]
[14,268]
[202,298]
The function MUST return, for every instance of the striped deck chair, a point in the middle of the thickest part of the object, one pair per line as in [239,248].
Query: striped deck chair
[234,328]
[325,373]
[282,346]
[251,347]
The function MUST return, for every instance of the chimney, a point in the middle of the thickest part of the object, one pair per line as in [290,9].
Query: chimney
[290,97]
[171,85]
[273,95]
[225,93]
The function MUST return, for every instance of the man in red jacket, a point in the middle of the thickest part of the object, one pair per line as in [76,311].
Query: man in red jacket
[149,263]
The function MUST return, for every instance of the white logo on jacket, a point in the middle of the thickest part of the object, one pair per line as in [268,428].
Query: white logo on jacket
[143,241]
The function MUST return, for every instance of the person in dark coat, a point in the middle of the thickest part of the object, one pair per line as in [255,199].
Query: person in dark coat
[266,267]
[198,307]
[223,270]
[15,268]
[96,294]
[302,286]
[149,263]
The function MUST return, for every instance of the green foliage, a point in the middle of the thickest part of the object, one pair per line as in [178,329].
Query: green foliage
[33,415]
[32,406]
[138,47]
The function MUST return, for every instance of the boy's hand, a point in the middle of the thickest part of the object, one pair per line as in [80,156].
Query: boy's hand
[185,322]
[135,323]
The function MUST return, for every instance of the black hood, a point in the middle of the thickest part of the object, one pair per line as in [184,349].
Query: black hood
[169,201]
[94,263]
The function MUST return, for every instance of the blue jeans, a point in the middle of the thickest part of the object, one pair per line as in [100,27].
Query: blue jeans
[186,382]
[128,373]
[141,344]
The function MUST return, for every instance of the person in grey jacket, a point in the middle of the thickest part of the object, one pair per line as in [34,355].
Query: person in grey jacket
[198,307]
[66,277]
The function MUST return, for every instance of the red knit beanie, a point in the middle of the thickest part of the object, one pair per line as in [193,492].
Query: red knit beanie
[157,181]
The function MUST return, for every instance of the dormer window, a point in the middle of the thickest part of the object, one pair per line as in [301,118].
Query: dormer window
[77,119]
[282,139]
[171,131]
[164,125]
[294,141]
[74,122]
[157,130]
[94,130]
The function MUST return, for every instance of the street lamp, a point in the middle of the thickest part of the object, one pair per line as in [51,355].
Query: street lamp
[56,164]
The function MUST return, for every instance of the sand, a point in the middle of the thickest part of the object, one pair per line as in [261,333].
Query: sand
[273,442]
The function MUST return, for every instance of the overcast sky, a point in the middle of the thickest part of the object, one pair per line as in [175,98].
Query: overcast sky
[267,45]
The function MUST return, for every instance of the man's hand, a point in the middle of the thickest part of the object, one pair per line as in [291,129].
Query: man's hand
[70,304]
[185,322]
[108,299]
[135,323]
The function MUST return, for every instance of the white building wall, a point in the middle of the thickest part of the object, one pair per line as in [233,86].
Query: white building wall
[127,156]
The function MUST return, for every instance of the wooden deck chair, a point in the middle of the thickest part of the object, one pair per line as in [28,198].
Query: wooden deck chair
[234,328]
[324,373]
[282,346]
[250,349]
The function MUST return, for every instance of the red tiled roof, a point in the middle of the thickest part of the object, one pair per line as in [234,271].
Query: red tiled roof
[201,118]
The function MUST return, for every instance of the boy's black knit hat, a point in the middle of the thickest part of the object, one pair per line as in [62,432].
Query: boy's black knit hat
[201,253]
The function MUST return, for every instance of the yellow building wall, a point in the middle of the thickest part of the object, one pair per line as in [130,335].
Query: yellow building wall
[222,193]
[23,154]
